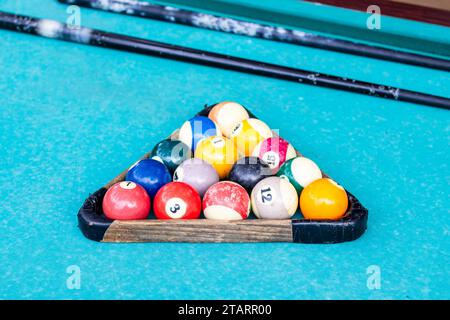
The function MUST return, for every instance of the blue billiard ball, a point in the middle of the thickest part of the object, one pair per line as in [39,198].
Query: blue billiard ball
[150,174]
[196,129]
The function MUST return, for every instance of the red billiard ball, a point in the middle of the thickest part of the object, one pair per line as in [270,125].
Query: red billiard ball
[126,200]
[226,200]
[177,200]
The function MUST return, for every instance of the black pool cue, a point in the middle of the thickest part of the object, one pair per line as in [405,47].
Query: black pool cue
[240,27]
[56,30]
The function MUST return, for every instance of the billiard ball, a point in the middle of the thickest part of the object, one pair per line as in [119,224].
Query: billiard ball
[126,200]
[274,151]
[300,171]
[274,198]
[323,199]
[248,171]
[177,200]
[248,133]
[220,152]
[227,115]
[198,173]
[149,173]
[196,129]
[226,200]
[171,152]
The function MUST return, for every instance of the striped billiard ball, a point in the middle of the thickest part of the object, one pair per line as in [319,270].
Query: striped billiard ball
[248,133]
[300,171]
[226,200]
[274,198]
[196,129]
[227,115]
[274,151]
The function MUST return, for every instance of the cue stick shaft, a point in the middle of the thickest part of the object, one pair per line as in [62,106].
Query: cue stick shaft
[240,27]
[56,30]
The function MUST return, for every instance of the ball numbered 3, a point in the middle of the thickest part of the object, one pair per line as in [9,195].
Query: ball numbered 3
[177,200]
[274,198]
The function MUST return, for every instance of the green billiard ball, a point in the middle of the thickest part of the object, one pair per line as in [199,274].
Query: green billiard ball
[300,172]
[171,152]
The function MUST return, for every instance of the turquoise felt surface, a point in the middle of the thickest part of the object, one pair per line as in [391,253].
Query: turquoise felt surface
[73,117]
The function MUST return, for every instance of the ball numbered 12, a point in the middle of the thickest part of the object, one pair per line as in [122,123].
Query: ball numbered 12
[177,200]
[300,171]
[196,129]
[274,198]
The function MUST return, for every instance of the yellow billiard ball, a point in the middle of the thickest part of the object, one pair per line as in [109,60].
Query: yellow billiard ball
[248,133]
[220,152]
[323,199]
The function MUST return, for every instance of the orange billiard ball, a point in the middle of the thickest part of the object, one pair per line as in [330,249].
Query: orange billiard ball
[323,199]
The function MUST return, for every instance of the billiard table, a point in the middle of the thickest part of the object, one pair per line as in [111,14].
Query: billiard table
[75,116]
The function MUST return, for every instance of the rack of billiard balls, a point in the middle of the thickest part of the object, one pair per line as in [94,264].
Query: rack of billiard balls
[226,165]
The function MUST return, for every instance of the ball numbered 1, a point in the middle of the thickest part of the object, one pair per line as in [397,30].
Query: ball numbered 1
[150,174]
[126,200]
[196,129]
[227,115]
[274,151]
[274,198]
[177,200]
[171,152]
[197,173]
[220,152]
[226,200]
[300,171]
[248,133]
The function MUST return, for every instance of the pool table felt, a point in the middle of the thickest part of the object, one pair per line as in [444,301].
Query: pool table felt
[74,116]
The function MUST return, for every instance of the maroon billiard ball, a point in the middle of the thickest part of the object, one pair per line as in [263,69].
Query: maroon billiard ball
[177,200]
[126,200]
